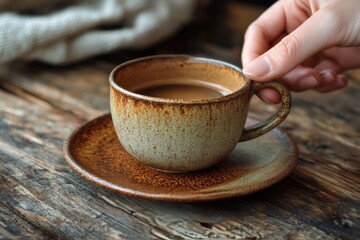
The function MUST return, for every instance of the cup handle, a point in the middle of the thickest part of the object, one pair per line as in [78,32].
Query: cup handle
[275,119]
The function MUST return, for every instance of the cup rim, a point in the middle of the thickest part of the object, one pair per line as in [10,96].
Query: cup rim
[141,97]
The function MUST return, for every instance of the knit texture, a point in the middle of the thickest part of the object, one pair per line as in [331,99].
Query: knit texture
[88,28]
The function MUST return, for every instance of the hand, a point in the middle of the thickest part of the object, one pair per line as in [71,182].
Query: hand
[306,44]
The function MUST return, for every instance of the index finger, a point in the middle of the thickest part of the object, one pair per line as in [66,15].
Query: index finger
[263,31]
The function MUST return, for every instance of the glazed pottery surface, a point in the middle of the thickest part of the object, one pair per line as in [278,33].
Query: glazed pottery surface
[95,153]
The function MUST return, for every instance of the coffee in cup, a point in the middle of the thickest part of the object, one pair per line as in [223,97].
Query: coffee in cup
[183,88]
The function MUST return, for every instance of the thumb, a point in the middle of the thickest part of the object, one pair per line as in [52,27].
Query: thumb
[314,35]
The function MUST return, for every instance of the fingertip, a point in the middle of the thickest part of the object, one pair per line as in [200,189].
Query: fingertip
[328,75]
[257,69]
[307,83]
[332,82]
[269,95]
[302,79]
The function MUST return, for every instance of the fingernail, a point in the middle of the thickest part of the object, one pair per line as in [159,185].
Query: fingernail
[328,76]
[257,68]
[266,100]
[308,83]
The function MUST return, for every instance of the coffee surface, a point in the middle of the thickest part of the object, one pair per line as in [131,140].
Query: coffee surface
[183,89]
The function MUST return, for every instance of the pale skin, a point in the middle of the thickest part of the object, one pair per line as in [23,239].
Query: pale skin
[306,44]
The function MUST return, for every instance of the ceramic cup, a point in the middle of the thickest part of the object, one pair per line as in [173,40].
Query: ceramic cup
[179,135]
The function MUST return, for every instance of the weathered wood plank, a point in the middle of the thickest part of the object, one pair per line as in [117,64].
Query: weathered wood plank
[80,91]
[13,226]
[41,187]
[330,223]
[49,170]
[335,215]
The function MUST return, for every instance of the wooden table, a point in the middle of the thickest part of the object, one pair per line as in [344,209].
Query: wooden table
[41,197]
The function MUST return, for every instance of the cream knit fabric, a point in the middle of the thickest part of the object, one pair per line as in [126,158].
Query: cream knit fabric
[88,28]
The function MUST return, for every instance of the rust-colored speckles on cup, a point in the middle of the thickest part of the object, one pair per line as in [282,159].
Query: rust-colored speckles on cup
[162,123]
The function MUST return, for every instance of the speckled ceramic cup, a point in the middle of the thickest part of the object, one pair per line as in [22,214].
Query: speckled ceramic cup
[179,135]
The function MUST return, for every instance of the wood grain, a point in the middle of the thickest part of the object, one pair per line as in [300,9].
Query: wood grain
[42,198]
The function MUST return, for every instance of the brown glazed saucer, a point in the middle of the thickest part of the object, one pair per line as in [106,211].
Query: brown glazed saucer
[95,153]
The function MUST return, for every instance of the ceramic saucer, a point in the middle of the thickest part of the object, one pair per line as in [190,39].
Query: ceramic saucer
[95,153]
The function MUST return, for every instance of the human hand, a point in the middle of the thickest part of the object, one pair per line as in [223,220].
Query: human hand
[306,44]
